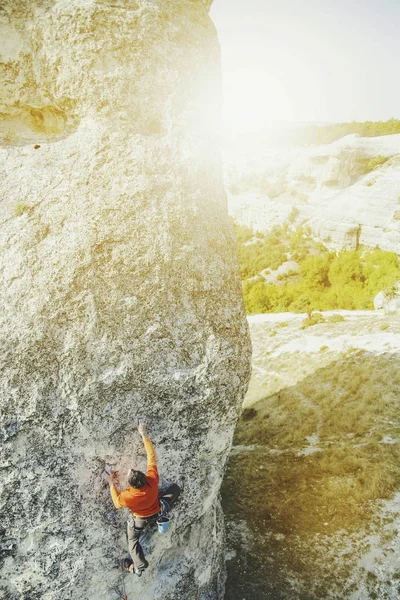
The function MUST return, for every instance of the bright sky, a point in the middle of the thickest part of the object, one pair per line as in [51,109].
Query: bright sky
[308,60]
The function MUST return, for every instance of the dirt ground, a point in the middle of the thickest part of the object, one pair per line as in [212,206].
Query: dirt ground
[312,491]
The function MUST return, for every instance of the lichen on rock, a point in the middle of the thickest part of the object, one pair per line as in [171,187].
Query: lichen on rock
[120,292]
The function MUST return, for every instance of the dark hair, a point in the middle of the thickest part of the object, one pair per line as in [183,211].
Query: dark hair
[136,479]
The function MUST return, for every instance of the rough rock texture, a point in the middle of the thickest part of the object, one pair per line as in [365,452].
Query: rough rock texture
[120,292]
[344,206]
[389,302]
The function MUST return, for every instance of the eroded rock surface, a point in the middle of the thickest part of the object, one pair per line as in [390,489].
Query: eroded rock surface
[120,292]
[347,191]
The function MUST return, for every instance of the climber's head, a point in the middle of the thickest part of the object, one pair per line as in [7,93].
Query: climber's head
[136,479]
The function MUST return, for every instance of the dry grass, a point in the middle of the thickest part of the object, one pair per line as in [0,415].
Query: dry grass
[352,406]
[315,319]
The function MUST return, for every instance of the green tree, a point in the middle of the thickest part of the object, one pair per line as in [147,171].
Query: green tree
[315,271]
[346,269]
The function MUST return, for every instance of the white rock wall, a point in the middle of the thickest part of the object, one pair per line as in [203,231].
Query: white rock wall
[344,208]
[119,292]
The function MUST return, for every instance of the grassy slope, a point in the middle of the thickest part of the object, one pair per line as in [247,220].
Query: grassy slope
[303,495]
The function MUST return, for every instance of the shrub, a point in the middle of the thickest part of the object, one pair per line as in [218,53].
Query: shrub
[373,163]
[315,319]
[315,271]
[384,326]
[326,279]
[391,291]
[242,232]
[336,318]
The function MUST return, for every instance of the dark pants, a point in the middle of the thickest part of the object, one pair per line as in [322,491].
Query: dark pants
[137,525]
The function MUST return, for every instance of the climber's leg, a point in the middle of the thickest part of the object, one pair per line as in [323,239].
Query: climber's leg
[136,527]
[170,494]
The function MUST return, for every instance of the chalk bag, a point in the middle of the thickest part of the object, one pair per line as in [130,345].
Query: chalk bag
[163,524]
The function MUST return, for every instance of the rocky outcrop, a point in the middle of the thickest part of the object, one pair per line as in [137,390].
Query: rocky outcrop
[347,191]
[120,292]
[360,208]
[388,301]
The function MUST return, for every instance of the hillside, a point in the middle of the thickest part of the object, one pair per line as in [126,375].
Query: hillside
[286,269]
[347,191]
[311,496]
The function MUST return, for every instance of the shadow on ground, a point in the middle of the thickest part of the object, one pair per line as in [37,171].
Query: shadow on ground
[306,483]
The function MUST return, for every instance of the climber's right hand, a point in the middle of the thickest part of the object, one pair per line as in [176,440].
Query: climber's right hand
[142,429]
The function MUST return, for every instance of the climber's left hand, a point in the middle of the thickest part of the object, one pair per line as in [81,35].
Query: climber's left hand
[113,476]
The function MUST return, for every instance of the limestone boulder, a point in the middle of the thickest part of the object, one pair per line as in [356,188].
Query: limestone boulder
[120,293]
[388,302]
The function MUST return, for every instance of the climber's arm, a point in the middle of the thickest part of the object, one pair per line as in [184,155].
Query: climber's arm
[116,497]
[151,457]
[151,454]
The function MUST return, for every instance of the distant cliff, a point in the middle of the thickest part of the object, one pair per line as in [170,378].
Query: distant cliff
[120,293]
[347,191]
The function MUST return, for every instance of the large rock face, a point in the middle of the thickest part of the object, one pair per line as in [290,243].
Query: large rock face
[120,293]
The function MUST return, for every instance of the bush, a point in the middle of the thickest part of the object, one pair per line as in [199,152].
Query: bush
[242,232]
[326,280]
[315,319]
[288,275]
[373,163]
[336,318]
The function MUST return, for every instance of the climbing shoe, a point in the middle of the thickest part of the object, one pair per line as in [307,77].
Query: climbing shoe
[126,562]
[129,565]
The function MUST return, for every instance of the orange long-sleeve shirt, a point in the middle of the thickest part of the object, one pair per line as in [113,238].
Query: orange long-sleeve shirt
[143,502]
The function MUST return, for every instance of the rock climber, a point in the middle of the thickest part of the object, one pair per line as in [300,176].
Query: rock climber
[142,497]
